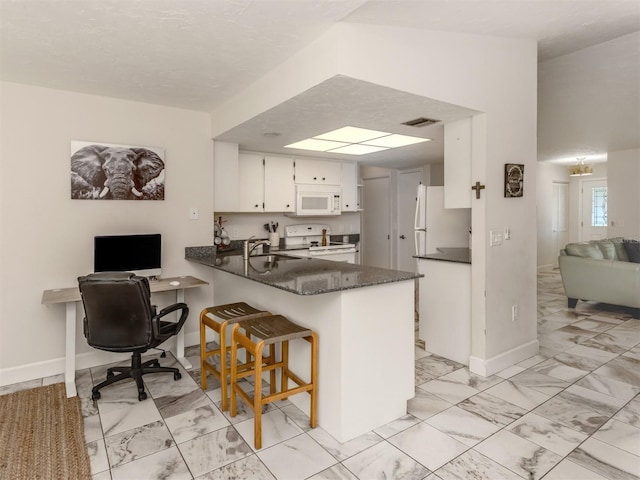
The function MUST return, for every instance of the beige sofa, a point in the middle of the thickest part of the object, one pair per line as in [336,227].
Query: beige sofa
[601,271]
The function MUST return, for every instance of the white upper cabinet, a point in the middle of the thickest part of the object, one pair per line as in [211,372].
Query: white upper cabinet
[251,183]
[279,187]
[318,172]
[225,177]
[457,164]
[350,187]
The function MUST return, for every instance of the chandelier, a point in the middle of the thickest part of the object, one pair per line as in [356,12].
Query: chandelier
[580,169]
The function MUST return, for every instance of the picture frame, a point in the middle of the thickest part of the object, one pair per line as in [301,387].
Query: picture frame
[105,171]
[513,180]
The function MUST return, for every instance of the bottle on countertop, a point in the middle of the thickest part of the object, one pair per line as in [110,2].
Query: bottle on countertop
[324,237]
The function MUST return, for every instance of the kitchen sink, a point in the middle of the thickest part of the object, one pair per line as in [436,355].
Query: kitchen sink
[272,257]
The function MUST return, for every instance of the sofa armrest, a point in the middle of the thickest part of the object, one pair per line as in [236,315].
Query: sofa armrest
[607,281]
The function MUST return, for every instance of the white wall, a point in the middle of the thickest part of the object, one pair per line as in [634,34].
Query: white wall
[439,65]
[47,238]
[623,190]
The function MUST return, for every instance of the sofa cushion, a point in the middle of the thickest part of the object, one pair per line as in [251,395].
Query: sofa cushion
[633,250]
[621,252]
[608,249]
[584,249]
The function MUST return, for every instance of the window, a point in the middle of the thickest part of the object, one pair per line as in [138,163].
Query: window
[599,207]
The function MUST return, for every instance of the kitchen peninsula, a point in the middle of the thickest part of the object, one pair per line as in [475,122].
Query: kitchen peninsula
[364,317]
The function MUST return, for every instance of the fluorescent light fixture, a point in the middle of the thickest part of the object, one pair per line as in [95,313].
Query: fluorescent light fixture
[395,141]
[351,135]
[315,144]
[355,141]
[358,149]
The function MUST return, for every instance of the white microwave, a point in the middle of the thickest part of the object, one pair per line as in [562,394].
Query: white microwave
[318,200]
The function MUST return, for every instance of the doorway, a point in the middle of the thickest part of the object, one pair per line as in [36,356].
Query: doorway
[560,217]
[376,222]
[408,182]
[593,221]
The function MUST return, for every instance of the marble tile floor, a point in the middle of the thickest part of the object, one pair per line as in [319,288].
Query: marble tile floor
[572,412]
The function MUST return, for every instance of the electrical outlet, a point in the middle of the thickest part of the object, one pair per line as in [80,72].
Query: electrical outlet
[495,238]
[193,213]
[514,313]
[507,233]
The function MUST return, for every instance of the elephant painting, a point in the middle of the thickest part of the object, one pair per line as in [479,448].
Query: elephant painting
[111,172]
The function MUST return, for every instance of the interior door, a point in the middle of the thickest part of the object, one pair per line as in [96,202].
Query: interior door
[594,209]
[560,217]
[407,187]
[376,223]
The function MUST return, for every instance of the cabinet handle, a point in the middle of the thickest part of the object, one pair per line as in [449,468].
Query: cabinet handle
[323,178]
[256,205]
[347,205]
[402,237]
[287,205]
[315,178]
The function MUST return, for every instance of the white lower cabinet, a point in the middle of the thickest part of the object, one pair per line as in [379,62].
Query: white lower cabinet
[445,309]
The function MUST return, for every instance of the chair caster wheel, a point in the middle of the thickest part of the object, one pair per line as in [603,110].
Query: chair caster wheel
[177,376]
[95,395]
[142,396]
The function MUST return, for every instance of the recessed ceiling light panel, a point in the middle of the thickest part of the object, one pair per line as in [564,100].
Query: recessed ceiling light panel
[351,134]
[395,141]
[316,145]
[358,149]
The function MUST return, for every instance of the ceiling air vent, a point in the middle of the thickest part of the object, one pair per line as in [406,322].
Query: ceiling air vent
[420,122]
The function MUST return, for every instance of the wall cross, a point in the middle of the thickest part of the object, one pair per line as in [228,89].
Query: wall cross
[477,187]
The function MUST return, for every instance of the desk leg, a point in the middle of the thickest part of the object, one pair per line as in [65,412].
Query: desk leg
[70,351]
[180,336]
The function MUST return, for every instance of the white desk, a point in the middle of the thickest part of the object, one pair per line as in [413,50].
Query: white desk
[70,296]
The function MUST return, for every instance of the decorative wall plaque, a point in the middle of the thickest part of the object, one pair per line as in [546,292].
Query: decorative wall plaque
[513,180]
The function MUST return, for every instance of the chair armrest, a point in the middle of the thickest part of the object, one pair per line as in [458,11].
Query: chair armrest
[167,310]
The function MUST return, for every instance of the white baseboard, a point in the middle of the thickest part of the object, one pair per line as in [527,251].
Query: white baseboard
[490,366]
[94,358]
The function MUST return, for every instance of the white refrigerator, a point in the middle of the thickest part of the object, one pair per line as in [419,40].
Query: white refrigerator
[438,227]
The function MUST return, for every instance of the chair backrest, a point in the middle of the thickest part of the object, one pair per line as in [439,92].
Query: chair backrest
[118,311]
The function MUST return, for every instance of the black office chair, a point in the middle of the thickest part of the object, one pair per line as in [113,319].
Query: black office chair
[119,317]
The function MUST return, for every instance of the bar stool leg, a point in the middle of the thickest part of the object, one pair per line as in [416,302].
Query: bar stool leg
[257,397]
[234,372]
[222,335]
[313,410]
[284,378]
[203,351]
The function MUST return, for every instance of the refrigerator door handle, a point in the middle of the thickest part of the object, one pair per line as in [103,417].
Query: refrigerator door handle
[416,240]
[420,206]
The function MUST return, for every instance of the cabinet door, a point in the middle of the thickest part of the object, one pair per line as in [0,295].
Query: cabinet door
[250,183]
[349,187]
[457,164]
[225,177]
[318,172]
[279,188]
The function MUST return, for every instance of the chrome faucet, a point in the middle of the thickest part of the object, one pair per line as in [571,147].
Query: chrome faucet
[248,247]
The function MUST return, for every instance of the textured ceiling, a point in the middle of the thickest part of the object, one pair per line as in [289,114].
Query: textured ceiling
[195,54]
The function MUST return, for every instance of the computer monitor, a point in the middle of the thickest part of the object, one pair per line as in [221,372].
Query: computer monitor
[128,253]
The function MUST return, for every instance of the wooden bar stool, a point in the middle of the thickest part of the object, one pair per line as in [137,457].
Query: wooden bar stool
[269,331]
[217,318]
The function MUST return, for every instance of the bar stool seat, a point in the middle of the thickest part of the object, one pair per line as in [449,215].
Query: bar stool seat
[268,331]
[218,318]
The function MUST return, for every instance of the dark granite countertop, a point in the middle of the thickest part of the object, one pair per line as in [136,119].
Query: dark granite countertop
[456,255]
[302,276]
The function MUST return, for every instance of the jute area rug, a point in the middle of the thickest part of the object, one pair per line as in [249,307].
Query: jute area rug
[42,435]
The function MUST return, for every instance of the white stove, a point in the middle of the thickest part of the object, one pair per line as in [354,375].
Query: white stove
[308,236]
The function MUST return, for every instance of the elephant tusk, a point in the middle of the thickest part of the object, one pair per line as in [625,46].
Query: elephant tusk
[135,192]
[104,192]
